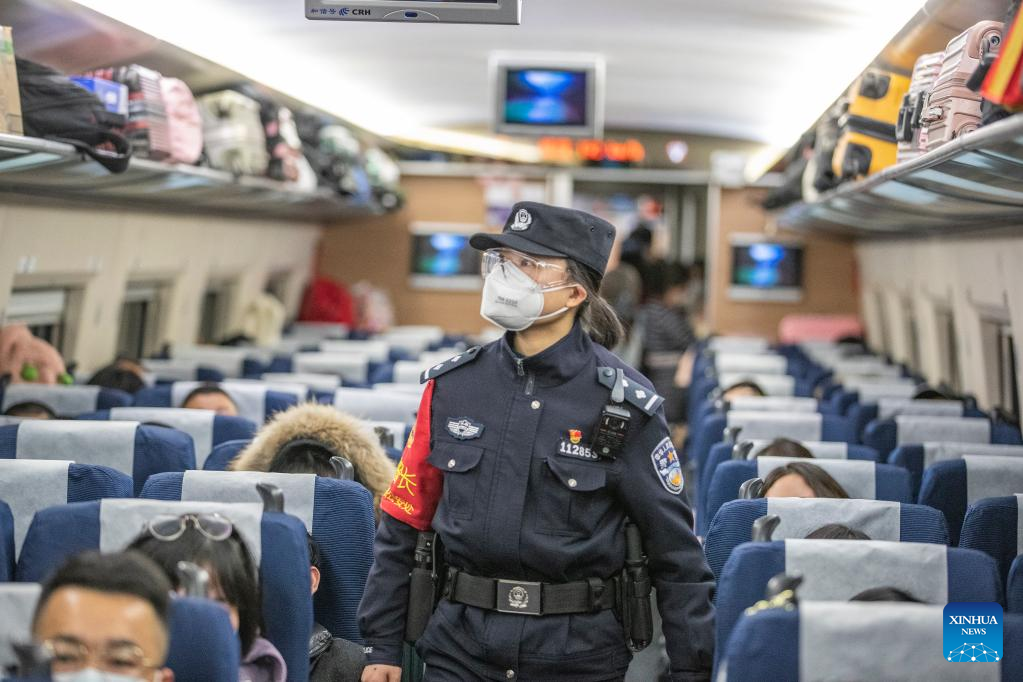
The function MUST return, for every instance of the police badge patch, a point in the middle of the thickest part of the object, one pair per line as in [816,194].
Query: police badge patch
[523,219]
[667,466]
[464,428]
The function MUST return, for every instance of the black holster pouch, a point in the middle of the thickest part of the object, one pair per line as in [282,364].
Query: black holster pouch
[426,584]
[637,617]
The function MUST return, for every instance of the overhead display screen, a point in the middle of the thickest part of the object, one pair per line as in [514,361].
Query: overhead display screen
[562,96]
[766,271]
[417,11]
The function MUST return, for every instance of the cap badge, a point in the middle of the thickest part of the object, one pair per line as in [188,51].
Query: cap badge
[575,435]
[523,219]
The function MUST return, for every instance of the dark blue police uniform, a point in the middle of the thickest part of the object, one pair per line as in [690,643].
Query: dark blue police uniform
[518,495]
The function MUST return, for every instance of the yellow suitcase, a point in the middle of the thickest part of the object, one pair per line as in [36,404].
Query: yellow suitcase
[867,141]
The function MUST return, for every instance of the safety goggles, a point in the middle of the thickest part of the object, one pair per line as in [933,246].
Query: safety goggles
[168,527]
[547,275]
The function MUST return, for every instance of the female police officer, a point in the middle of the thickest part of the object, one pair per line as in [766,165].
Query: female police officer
[527,458]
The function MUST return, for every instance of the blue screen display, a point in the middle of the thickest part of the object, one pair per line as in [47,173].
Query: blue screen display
[767,266]
[546,97]
[444,254]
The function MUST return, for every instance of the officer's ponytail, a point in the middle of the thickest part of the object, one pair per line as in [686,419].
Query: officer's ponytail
[598,317]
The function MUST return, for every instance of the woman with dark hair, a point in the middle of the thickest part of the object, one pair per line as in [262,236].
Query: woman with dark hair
[801,479]
[785,447]
[211,397]
[211,542]
[837,531]
[886,593]
[539,462]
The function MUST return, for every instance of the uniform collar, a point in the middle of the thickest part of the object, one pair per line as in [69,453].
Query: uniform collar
[557,364]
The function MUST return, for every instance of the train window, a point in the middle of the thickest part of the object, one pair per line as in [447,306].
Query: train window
[43,311]
[216,305]
[140,319]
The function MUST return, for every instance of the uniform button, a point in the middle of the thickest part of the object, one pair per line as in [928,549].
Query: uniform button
[510,674]
[536,405]
[572,483]
[451,464]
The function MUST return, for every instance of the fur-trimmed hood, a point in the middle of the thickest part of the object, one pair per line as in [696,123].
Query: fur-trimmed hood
[324,423]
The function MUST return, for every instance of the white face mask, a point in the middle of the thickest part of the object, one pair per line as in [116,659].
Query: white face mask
[513,301]
[94,675]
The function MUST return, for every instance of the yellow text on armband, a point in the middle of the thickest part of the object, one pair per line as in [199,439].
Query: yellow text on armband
[404,505]
[404,480]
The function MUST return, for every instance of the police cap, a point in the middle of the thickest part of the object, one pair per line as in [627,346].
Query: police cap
[541,230]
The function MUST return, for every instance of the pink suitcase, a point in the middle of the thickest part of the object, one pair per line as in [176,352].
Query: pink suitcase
[953,109]
[912,135]
[184,122]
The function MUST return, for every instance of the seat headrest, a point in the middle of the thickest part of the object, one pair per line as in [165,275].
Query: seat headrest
[944,451]
[314,382]
[738,344]
[28,486]
[726,363]
[228,360]
[837,570]
[773,384]
[349,366]
[318,330]
[18,604]
[879,519]
[857,477]
[298,390]
[370,404]
[196,423]
[240,486]
[889,408]
[764,425]
[110,444]
[121,521]
[913,429]
[172,369]
[992,476]
[872,391]
[64,401]
[376,351]
[818,448]
[748,403]
[409,371]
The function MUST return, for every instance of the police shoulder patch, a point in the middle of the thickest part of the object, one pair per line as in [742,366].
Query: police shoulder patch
[644,400]
[464,428]
[668,466]
[462,358]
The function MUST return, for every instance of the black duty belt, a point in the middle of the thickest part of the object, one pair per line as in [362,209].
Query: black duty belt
[529,598]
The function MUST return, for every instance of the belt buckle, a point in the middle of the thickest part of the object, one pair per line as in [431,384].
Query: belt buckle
[523,598]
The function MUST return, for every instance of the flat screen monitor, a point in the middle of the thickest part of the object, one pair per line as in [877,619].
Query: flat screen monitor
[417,11]
[443,259]
[766,270]
[548,98]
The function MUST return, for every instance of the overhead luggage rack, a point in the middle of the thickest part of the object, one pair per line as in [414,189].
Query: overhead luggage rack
[972,183]
[42,168]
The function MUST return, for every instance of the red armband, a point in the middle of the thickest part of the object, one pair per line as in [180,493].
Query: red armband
[415,492]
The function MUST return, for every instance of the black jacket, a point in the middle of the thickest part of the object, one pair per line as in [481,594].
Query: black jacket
[334,660]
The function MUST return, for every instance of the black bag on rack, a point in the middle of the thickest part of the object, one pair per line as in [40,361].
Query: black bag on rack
[55,108]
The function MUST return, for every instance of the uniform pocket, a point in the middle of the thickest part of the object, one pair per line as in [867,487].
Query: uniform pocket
[461,466]
[573,497]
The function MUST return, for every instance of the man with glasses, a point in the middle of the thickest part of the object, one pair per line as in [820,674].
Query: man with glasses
[103,618]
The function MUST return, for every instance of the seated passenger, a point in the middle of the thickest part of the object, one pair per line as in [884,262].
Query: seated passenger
[124,374]
[743,389]
[801,479]
[784,447]
[930,394]
[30,410]
[836,531]
[104,617]
[666,332]
[331,659]
[211,397]
[303,439]
[885,594]
[211,542]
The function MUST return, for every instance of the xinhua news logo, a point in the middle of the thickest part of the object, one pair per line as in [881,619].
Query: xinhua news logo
[973,632]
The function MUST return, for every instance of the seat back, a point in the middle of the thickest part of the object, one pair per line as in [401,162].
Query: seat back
[375,351]
[953,486]
[229,361]
[255,402]
[724,452]
[993,526]
[738,344]
[297,390]
[879,519]
[276,541]
[867,390]
[862,480]
[1014,587]
[749,403]
[312,381]
[837,570]
[18,605]
[224,453]
[884,435]
[128,447]
[171,370]
[338,514]
[859,641]
[6,543]
[203,644]
[863,413]
[732,363]
[206,428]
[410,371]
[351,367]
[67,402]
[917,457]
[374,405]
[773,384]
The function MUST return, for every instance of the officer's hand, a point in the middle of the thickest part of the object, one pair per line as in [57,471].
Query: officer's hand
[381,673]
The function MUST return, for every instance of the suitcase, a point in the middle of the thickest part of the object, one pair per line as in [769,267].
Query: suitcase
[953,109]
[866,143]
[184,122]
[147,127]
[384,179]
[911,133]
[1003,84]
[819,175]
[233,133]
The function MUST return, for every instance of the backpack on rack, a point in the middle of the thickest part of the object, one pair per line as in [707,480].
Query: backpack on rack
[147,117]
[233,133]
[55,108]
[336,156]
[184,122]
